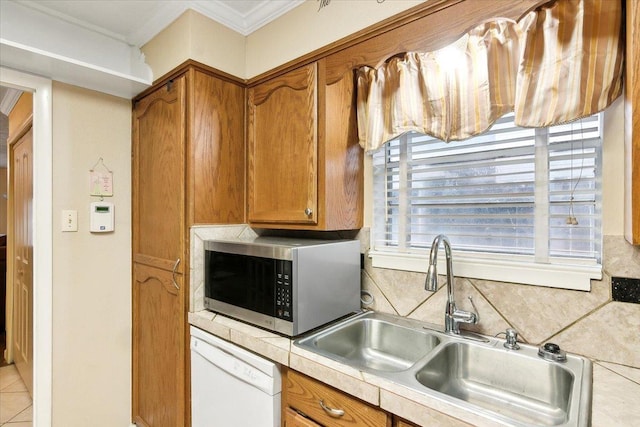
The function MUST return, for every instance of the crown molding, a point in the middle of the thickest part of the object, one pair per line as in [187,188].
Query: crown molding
[9,99]
[166,14]
[168,11]
[216,10]
[244,23]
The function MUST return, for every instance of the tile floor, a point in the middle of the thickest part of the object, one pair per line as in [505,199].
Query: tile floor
[16,408]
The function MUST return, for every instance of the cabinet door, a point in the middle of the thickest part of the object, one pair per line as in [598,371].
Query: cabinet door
[159,176]
[341,165]
[158,348]
[294,419]
[217,175]
[632,123]
[283,149]
[158,206]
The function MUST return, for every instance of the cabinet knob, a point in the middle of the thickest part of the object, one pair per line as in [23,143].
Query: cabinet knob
[308,211]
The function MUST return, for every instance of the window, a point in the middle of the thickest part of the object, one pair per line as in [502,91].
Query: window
[518,204]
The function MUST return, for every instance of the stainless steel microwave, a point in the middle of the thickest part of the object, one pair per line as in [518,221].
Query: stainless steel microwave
[286,285]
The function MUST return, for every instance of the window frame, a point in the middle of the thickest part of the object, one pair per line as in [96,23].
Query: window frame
[558,272]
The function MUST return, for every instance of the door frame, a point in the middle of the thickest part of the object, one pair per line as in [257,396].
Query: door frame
[42,241]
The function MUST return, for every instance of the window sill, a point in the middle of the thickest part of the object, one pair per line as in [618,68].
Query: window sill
[571,274]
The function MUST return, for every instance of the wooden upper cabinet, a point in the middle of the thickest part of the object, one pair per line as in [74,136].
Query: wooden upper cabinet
[283,149]
[159,124]
[304,161]
[341,160]
[217,154]
[188,163]
[632,125]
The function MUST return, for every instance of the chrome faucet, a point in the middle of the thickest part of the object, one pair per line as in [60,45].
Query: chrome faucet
[452,316]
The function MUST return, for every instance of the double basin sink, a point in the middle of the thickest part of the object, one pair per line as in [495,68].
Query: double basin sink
[477,374]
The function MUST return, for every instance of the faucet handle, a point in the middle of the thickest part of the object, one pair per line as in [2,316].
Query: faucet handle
[477,313]
[461,316]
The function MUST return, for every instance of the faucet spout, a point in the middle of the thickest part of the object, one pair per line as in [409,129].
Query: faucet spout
[431,282]
[452,316]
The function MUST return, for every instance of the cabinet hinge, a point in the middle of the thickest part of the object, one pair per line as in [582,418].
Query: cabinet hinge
[169,85]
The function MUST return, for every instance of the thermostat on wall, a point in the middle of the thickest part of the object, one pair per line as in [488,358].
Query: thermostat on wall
[102,217]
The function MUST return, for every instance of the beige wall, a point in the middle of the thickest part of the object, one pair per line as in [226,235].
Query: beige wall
[296,33]
[305,29]
[194,36]
[91,272]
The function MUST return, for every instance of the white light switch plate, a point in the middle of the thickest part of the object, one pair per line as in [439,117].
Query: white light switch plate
[69,220]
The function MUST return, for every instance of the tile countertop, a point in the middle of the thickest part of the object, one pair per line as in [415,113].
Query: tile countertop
[612,397]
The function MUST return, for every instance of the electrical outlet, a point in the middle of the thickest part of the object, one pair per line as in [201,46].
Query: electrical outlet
[625,289]
[69,220]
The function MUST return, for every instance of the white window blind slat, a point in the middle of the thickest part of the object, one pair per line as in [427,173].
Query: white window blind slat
[507,191]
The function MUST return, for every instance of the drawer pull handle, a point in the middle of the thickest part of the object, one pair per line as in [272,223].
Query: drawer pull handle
[173,274]
[333,412]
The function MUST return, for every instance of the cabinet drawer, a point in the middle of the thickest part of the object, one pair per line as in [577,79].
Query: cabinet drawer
[294,419]
[309,396]
[403,423]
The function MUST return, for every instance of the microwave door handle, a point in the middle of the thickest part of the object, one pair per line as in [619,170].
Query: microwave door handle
[173,274]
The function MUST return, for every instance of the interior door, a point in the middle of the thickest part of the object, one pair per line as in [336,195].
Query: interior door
[22,191]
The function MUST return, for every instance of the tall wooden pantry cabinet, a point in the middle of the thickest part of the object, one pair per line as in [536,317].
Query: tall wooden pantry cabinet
[187,168]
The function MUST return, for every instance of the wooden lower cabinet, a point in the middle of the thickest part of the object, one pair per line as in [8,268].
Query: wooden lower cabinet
[325,406]
[292,418]
[399,422]
[158,348]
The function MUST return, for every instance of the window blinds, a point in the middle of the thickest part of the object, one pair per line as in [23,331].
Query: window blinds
[510,190]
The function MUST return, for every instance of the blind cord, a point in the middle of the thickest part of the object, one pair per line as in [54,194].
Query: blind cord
[571,219]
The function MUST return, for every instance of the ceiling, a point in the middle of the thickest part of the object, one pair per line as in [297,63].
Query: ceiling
[138,21]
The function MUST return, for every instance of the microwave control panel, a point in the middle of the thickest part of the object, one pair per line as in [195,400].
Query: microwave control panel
[284,307]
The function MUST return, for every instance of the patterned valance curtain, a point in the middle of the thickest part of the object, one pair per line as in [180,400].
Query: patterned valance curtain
[558,63]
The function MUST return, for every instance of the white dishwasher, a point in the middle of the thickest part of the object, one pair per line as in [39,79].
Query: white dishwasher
[231,387]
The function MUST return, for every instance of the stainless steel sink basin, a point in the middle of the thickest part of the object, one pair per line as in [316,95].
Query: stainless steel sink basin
[532,391]
[372,344]
[513,387]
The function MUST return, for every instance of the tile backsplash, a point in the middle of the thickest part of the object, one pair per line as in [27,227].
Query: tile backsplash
[586,323]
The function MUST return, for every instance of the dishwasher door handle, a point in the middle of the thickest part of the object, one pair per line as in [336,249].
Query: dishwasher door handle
[233,366]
